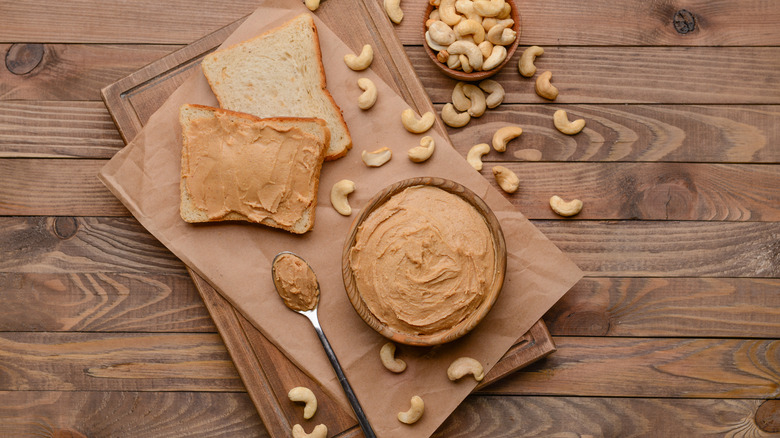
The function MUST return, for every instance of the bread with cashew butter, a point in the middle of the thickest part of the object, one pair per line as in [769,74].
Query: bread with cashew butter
[237,166]
[278,73]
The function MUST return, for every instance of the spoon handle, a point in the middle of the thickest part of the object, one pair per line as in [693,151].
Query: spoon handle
[361,416]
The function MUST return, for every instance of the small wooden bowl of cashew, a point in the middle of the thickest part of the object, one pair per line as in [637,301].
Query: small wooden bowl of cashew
[478,313]
[495,48]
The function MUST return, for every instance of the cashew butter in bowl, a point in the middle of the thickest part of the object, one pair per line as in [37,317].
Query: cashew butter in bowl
[424,261]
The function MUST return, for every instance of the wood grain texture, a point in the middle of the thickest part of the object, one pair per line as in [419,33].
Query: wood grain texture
[116,362]
[664,307]
[57,129]
[570,417]
[101,302]
[129,414]
[652,367]
[635,133]
[75,71]
[712,75]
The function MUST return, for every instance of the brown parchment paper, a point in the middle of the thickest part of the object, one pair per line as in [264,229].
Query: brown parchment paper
[235,257]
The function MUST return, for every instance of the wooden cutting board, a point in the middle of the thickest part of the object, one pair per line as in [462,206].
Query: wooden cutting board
[265,371]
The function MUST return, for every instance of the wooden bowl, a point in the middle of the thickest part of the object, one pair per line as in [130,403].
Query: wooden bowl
[470,321]
[475,75]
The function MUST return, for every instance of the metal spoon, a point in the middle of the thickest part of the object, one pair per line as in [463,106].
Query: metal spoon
[311,314]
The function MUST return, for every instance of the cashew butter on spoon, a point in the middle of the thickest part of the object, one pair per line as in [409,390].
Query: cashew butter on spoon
[298,287]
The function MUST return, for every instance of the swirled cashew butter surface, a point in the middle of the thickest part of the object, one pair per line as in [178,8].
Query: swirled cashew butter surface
[296,282]
[423,260]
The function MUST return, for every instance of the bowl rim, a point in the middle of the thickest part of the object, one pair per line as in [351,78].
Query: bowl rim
[466,325]
[480,75]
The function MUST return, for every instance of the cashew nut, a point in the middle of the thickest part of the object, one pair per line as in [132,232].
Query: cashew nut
[496,91]
[465,365]
[415,125]
[414,413]
[338,196]
[505,11]
[433,44]
[506,179]
[447,12]
[474,157]
[477,98]
[434,14]
[469,49]
[502,33]
[489,22]
[489,8]
[368,98]
[564,208]
[544,88]
[497,56]
[504,135]
[466,8]
[305,395]
[393,10]
[418,154]
[453,118]
[442,34]
[459,99]
[470,27]
[387,354]
[528,154]
[377,157]
[443,56]
[562,123]
[362,61]
[465,65]
[320,431]
[453,62]
[526,64]
[486,47]
[312,4]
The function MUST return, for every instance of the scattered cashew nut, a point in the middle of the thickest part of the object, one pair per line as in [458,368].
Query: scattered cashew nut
[474,157]
[506,179]
[562,123]
[393,10]
[368,98]
[504,135]
[528,154]
[338,196]
[415,125]
[477,98]
[418,154]
[305,395]
[377,157]
[544,88]
[320,431]
[414,413]
[387,354]
[495,90]
[459,99]
[497,56]
[453,118]
[564,208]
[362,61]
[312,4]
[465,365]
[526,65]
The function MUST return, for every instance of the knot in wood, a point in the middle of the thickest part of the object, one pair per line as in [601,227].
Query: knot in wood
[684,22]
[65,227]
[23,58]
[768,416]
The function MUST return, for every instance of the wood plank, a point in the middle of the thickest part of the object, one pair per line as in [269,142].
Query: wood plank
[116,362]
[588,22]
[669,307]
[165,303]
[629,23]
[651,367]
[101,302]
[75,71]
[711,75]
[128,414]
[671,133]
[601,249]
[57,129]
[566,417]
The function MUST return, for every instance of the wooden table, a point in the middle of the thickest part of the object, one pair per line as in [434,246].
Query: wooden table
[675,331]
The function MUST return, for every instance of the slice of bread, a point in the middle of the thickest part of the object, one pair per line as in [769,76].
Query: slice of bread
[278,73]
[236,166]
